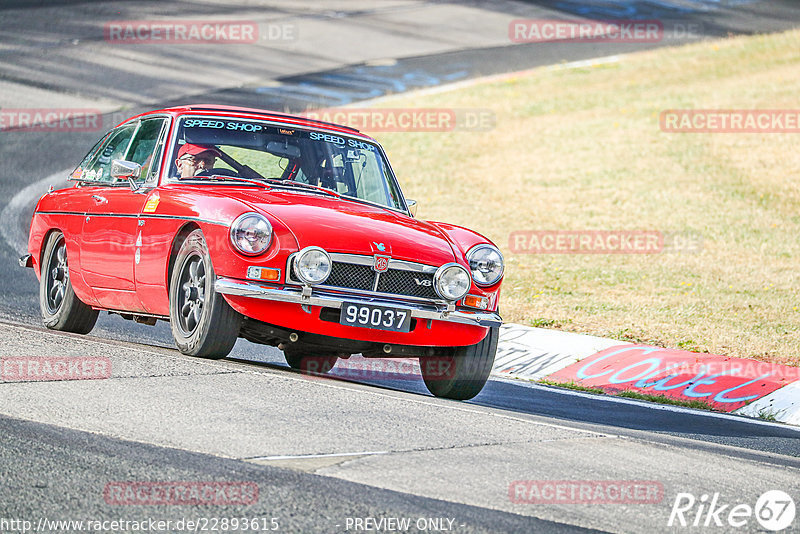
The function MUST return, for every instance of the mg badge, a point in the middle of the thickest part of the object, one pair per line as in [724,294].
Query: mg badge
[381,264]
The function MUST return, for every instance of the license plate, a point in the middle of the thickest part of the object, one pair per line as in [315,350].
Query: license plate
[377,317]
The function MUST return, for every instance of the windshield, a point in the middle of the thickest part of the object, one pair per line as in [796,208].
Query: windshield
[282,157]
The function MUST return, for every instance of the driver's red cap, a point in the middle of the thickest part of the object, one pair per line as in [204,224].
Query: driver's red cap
[193,150]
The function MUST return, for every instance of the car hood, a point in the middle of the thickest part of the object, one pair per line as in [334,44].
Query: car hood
[352,227]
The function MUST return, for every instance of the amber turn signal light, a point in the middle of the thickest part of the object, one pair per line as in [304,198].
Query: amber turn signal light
[263,273]
[474,301]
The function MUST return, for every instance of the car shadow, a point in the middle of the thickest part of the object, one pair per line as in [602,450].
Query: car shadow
[616,415]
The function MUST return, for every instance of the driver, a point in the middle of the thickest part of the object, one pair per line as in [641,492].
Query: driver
[194,159]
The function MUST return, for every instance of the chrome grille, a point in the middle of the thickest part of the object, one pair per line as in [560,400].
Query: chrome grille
[355,272]
[351,276]
[409,283]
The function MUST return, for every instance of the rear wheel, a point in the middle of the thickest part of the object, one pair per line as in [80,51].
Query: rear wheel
[463,375]
[61,308]
[308,363]
[203,323]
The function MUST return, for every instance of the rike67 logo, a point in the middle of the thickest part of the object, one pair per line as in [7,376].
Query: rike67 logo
[774,510]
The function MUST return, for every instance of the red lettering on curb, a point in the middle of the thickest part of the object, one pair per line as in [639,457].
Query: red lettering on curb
[724,383]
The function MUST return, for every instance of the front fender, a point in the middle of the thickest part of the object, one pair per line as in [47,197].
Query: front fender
[228,262]
[463,239]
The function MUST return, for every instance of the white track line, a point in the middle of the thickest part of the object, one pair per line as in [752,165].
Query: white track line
[13,234]
[310,456]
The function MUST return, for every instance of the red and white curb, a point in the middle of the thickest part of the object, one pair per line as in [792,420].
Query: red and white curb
[733,385]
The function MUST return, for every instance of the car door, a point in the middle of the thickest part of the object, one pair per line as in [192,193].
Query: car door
[112,225]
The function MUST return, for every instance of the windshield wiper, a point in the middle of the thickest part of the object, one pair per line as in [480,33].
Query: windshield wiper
[224,178]
[290,183]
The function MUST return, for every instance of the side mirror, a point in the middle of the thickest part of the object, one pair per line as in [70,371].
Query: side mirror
[412,207]
[125,170]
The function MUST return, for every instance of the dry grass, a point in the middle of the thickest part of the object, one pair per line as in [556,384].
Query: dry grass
[630,394]
[581,149]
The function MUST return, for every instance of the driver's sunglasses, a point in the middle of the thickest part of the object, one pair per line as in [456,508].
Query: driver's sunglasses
[208,160]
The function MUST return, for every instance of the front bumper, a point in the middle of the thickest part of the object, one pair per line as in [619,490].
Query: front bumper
[330,299]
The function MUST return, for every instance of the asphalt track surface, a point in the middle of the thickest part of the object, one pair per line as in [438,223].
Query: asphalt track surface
[322,451]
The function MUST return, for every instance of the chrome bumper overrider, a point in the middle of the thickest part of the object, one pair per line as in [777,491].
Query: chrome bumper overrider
[328,299]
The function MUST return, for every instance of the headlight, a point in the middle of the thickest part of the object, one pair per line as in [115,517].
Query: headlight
[451,281]
[486,264]
[251,234]
[312,265]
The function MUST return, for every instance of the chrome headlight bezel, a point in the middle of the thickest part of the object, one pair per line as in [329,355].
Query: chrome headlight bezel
[301,275]
[237,226]
[479,275]
[437,281]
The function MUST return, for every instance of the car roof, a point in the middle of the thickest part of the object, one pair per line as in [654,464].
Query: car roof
[215,110]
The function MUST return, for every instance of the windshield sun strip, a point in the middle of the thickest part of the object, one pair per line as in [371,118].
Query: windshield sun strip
[389,172]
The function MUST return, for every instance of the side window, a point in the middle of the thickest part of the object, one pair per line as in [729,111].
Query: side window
[114,147]
[147,146]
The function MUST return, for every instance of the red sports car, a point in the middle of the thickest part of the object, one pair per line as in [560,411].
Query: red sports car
[232,222]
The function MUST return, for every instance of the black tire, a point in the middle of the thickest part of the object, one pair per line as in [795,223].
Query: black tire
[462,376]
[308,363]
[203,323]
[61,308]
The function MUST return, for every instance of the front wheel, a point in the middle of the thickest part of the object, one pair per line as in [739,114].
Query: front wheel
[61,308]
[463,375]
[203,323]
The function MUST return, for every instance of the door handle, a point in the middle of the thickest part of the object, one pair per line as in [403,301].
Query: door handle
[99,199]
